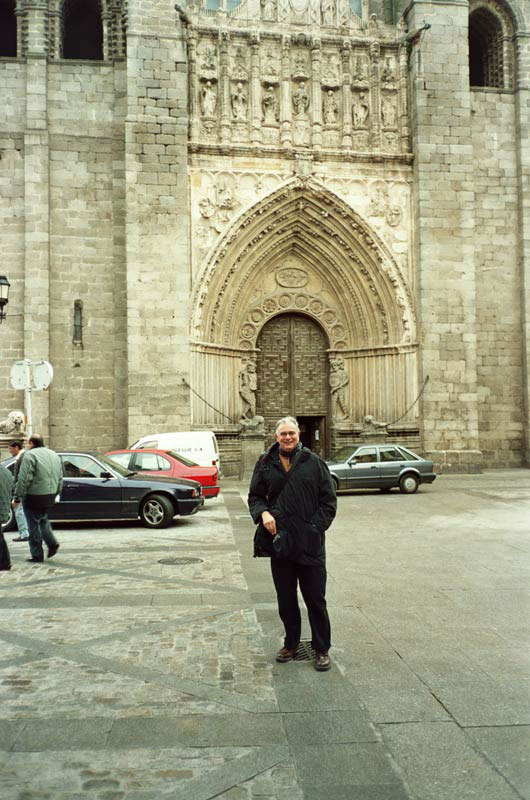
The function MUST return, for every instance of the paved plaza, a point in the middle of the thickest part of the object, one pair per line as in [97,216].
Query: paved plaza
[126,678]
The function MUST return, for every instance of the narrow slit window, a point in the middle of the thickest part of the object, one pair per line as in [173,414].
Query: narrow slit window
[78,323]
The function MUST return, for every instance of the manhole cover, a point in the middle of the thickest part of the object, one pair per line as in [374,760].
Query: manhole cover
[180,561]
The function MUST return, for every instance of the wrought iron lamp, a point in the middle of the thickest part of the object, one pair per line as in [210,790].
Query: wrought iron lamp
[4,296]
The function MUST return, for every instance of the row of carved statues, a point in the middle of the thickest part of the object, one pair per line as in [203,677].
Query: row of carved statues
[270,107]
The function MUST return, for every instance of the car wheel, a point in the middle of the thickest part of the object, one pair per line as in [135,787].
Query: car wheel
[157,511]
[409,483]
[10,525]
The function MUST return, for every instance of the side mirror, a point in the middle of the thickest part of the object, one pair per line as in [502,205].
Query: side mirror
[352,462]
[106,475]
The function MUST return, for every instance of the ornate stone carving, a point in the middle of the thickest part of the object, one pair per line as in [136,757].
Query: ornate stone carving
[268,9]
[360,110]
[208,62]
[301,101]
[291,277]
[328,11]
[330,108]
[371,425]
[208,98]
[15,423]
[239,67]
[338,380]
[388,111]
[300,69]
[270,107]
[248,384]
[270,69]
[238,101]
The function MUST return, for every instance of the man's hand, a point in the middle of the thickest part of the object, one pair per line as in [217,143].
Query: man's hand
[269,522]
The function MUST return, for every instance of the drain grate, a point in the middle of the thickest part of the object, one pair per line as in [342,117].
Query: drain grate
[305,652]
[177,562]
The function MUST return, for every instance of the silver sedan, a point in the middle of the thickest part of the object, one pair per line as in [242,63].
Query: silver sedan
[381,466]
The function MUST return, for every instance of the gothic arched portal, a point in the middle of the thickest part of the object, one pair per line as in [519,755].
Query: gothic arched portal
[292,372]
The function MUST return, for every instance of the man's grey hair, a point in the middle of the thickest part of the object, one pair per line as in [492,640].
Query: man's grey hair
[287,421]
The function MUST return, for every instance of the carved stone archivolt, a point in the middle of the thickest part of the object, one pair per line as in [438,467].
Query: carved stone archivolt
[302,249]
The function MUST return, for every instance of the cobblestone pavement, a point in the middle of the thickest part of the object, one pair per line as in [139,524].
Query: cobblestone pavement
[124,678]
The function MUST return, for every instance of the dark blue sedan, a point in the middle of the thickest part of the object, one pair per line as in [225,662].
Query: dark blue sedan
[96,488]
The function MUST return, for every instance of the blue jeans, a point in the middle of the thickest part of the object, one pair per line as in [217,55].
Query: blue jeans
[39,529]
[22,525]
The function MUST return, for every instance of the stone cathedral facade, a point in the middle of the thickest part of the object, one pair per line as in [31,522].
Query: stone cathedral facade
[211,215]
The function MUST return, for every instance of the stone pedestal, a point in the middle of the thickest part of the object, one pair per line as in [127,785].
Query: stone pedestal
[252,446]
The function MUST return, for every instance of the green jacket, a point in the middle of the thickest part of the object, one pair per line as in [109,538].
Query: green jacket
[40,477]
[6,483]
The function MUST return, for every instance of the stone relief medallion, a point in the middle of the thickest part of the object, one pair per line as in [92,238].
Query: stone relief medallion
[248,331]
[284,300]
[328,317]
[316,306]
[270,305]
[292,277]
[301,301]
[338,331]
[245,345]
[257,315]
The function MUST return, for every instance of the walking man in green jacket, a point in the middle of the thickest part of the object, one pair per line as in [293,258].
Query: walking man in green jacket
[6,484]
[39,480]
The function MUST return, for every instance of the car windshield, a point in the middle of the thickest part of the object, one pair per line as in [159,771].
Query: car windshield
[115,466]
[343,454]
[183,460]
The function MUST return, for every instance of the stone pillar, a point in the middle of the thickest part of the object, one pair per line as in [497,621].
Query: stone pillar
[403,94]
[193,105]
[375,96]
[444,227]
[252,446]
[255,93]
[157,219]
[316,100]
[346,97]
[37,210]
[522,110]
[224,87]
[286,138]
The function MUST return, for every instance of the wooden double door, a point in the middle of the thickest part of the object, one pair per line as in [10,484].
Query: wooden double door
[292,372]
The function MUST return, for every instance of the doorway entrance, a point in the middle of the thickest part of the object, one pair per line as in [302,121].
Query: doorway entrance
[292,376]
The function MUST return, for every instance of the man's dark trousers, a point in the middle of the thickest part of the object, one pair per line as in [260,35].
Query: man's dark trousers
[312,579]
[39,528]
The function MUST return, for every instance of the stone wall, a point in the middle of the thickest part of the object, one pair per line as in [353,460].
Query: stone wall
[498,286]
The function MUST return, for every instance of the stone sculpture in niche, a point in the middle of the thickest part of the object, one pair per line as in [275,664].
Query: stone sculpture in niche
[208,100]
[387,74]
[239,103]
[327,8]
[360,110]
[300,101]
[269,106]
[239,71]
[359,72]
[270,66]
[338,380]
[248,384]
[330,108]
[268,9]
[388,112]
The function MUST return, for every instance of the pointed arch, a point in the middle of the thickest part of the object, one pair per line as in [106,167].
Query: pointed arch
[348,280]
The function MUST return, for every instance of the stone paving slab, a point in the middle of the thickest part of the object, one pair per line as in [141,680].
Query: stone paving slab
[439,762]
[125,679]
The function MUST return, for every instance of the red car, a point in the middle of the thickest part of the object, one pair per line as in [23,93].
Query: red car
[167,462]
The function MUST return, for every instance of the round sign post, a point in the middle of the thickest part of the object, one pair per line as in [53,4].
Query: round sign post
[29,375]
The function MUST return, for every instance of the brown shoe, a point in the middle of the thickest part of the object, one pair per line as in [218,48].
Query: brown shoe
[285,654]
[322,662]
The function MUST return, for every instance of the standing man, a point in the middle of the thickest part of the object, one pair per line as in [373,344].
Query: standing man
[6,485]
[16,450]
[40,479]
[292,489]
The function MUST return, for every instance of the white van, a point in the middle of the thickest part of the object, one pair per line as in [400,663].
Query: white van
[198,446]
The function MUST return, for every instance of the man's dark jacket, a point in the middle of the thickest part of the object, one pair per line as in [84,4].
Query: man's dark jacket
[307,505]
